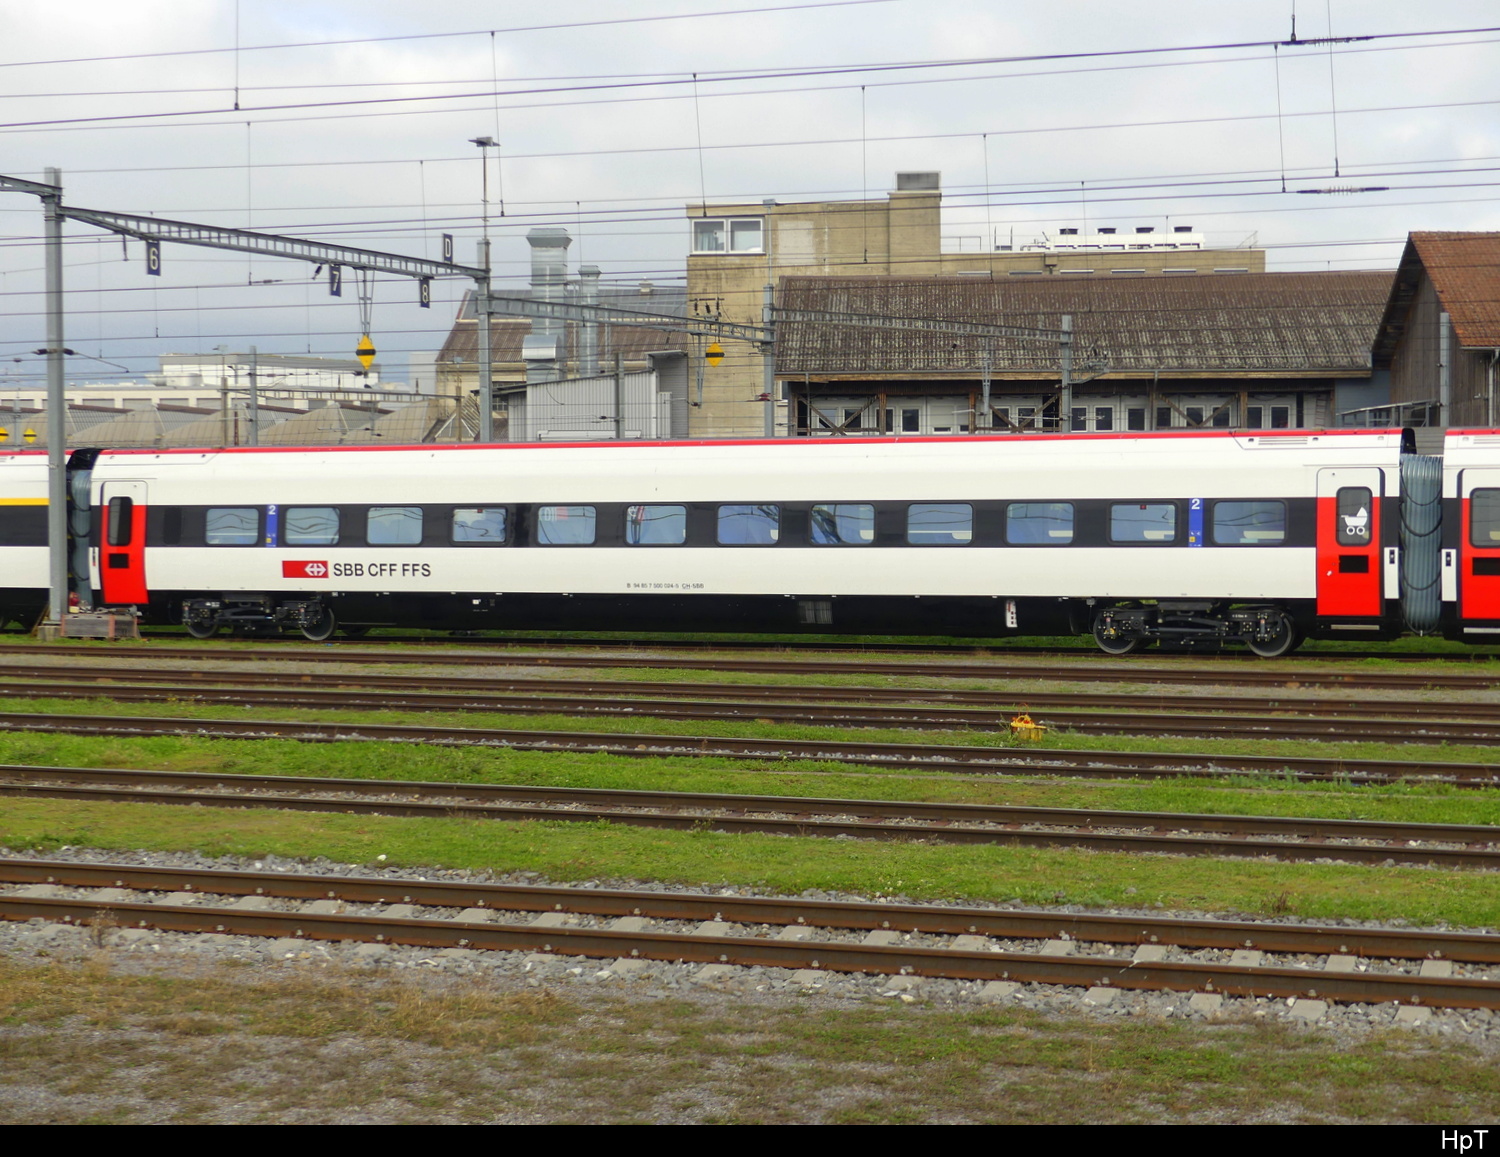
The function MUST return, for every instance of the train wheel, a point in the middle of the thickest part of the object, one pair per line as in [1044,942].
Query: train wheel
[320,629]
[1111,643]
[1283,640]
[201,628]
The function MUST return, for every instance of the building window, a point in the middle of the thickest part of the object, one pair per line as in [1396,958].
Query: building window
[1079,418]
[1281,417]
[1104,418]
[727,235]
[1163,417]
[1135,419]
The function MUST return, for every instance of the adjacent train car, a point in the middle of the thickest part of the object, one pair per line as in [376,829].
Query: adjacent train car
[1470,564]
[23,536]
[1200,537]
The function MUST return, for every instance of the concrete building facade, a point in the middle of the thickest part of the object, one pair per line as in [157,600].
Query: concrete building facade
[737,251]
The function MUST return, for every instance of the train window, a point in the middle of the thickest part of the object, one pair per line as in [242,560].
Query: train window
[749,525]
[231,526]
[394,526]
[655,525]
[842,524]
[121,516]
[940,524]
[565,526]
[1039,523]
[1352,516]
[1484,518]
[311,526]
[479,524]
[1249,523]
[1142,522]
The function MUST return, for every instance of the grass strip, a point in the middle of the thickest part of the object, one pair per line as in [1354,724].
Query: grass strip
[1267,749]
[1408,803]
[574,852]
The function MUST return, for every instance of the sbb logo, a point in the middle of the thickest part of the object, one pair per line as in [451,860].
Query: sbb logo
[304,570]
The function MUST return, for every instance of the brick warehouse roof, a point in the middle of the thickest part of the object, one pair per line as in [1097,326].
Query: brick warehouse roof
[1465,271]
[1313,324]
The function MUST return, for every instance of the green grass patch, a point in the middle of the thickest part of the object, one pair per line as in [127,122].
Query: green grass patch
[1267,749]
[601,851]
[1239,795]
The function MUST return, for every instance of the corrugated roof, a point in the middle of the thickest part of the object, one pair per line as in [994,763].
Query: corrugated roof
[1465,271]
[1257,322]
[507,335]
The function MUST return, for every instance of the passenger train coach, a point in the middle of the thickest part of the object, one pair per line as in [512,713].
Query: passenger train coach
[1261,538]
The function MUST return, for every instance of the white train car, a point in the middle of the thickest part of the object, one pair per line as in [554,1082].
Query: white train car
[1207,536]
[23,536]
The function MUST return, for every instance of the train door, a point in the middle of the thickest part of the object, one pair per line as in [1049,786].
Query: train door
[1349,571]
[122,544]
[1479,545]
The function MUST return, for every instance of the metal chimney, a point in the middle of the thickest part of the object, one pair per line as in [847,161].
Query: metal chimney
[549,271]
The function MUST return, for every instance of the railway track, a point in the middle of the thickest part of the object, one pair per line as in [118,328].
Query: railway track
[1219,717]
[948,758]
[1002,947]
[1170,833]
[831,645]
[589,692]
[1090,672]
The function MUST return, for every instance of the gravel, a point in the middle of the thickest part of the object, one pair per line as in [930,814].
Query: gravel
[188,953]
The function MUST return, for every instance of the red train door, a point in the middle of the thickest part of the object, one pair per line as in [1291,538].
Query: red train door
[1349,571]
[122,546]
[1479,545]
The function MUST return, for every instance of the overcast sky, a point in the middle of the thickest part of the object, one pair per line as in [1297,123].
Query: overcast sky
[604,131]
